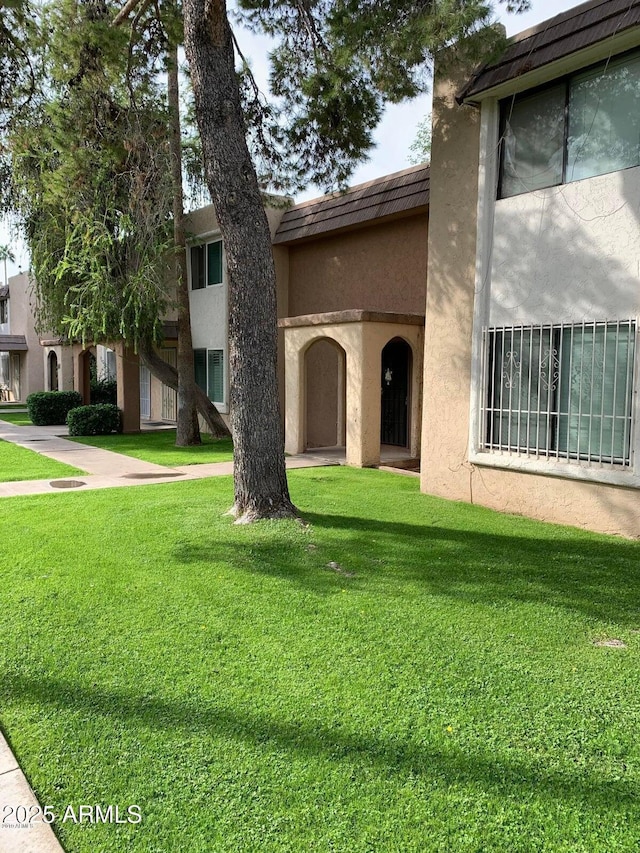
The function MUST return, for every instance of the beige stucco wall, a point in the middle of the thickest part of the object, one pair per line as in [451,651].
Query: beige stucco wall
[362,343]
[378,267]
[64,355]
[22,322]
[446,469]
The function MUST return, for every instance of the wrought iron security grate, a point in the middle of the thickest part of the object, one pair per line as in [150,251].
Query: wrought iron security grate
[560,391]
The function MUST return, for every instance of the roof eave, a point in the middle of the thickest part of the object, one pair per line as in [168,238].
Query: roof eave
[567,64]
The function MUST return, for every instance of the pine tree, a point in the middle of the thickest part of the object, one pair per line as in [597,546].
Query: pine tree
[336,63]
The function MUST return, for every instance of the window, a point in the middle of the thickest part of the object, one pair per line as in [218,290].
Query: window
[110,365]
[206,265]
[209,373]
[4,310]
[589,124]
[560,391]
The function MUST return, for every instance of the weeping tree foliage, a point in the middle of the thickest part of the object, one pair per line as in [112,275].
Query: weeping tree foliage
[420,148]
[91,181]
[335,65]
[18,76]
[93,187]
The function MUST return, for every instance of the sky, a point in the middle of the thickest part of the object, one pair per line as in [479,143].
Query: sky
[395,133]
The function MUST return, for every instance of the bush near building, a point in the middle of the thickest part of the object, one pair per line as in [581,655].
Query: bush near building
[47,408]
[99,419]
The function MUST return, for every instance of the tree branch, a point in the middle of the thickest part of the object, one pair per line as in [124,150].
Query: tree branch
[126,10]
[168,375]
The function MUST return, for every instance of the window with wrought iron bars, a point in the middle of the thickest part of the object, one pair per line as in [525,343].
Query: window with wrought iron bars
[560,391]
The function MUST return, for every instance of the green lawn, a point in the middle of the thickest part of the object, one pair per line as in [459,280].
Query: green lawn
[16,418]
[404,674]
[18,463]
[159,446]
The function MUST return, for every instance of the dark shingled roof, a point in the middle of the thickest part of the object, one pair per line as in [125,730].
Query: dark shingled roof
[13,343]
[393,194]
[4,291]
[574,30]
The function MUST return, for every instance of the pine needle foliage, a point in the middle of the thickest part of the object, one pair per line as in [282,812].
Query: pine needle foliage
[335,65]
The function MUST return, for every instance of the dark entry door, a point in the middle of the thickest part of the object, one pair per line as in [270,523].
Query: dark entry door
[53,371]
[395,393]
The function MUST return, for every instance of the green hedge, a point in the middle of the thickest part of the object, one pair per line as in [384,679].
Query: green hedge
[51,407]
[104,391]
[99,419]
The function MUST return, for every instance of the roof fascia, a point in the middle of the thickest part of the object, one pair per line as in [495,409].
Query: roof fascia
[611,46]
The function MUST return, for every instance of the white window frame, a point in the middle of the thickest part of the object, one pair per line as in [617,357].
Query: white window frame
[203,242]
[222,405]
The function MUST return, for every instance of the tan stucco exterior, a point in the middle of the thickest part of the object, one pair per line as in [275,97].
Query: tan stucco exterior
[332,363]
[380,267]
[27,367]
[454,280]
[361,337]
[63,362]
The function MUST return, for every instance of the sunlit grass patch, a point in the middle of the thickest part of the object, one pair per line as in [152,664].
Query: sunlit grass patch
[401,673]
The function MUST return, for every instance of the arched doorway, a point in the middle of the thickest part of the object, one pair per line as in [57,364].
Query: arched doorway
[87,365]
[52,370]
[325,394]
[395,383]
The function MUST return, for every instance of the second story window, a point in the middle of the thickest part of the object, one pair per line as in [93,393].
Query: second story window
[4,311]
[206,265]
[586,125]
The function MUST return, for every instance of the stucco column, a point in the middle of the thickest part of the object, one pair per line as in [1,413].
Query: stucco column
[363,399]
[81,378]
[128,378]
[450,292]
[294,392]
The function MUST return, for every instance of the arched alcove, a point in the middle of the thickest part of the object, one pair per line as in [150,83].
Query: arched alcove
[396,367]
[52,371]
[325,394]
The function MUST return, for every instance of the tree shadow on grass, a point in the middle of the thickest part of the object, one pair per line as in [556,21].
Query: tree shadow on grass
[311,739]
[596,577]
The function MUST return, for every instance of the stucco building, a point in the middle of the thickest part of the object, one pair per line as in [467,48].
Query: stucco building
[351,280]
[480,314]
[21,357]
[533,292]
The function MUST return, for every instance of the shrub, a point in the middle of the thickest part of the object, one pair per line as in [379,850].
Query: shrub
[98,419]
[51,407]
[104,391]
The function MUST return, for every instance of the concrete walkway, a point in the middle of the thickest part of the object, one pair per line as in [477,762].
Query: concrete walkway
[106,469]
[22,830]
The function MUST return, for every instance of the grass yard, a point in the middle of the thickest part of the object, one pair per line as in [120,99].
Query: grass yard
[19,463]
[16,418]
[159,446]
[405,674]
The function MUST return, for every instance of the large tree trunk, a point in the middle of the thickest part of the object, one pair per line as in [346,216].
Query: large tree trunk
[187,427]
[260,478]
[168,375]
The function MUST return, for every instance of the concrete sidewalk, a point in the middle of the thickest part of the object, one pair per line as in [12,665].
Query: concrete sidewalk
[22,829]
[106,469]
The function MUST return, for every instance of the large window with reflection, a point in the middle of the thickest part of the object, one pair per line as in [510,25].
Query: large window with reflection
[588,124]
